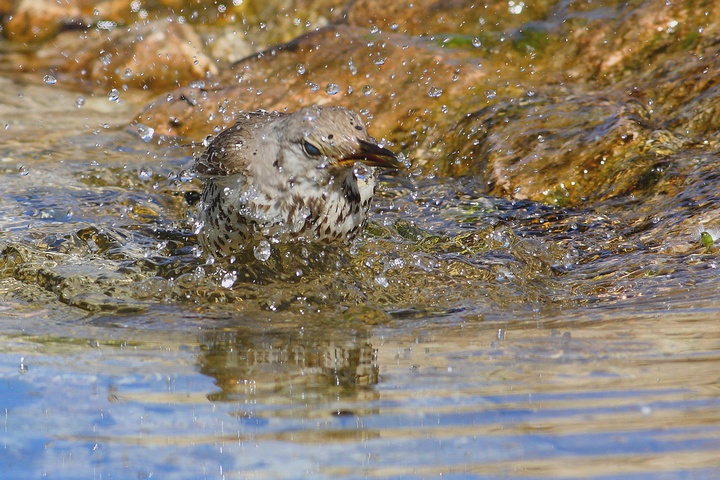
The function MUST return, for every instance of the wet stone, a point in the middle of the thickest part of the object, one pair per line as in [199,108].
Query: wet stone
[157,53]
[392,101]
[442,87]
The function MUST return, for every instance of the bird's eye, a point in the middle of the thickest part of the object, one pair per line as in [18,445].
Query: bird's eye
[310,149]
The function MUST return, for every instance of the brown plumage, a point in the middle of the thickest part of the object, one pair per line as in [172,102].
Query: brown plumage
[306,176]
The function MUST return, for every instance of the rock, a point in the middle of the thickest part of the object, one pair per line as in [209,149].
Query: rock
[34,21]
[6,7]
[457,17]
[275,22]
[93,288]
[158,54]
[37,20]
[405,85]
[683,91]
[583,149]
[559,103]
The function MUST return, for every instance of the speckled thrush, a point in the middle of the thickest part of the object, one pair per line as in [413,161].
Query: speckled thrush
[307,176]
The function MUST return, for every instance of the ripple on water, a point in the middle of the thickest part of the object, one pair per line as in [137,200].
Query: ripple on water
[430,244]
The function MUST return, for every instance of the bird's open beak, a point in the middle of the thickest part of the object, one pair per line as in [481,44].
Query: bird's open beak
[373,155]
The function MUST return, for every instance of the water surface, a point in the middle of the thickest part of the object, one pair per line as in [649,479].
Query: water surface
[462,336]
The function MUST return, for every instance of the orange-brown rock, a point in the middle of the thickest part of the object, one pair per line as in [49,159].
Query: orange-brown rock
[159,54]
[433,17]
[561,103]
[585,148]
[37,20]
[408,86]
[6,7]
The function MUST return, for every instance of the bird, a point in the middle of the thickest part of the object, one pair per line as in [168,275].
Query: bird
[277,177]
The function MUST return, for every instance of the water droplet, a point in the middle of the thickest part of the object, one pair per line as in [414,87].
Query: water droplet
[353,68]
[80,101]
[23,170]
[367,90]
[374,29]
[397,263]
[49,79]
[313,86]
[145,132]
[114,95]
[490,94]
[382,281]
[228,279]
[332,89]
[515,8]
[300,68]
[145,173]
[379,61]
[197,252]
[106,25]
[425,262]
[404,160]
[361,172]
[476,42]
[186,175]
[23,366]
[262,250]
[435,92]
[106,59]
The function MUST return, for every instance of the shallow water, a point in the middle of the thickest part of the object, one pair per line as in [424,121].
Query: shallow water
[463,335]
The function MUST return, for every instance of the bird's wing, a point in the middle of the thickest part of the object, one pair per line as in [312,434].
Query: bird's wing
[227,153]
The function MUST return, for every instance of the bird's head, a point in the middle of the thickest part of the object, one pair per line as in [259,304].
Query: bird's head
[331,139]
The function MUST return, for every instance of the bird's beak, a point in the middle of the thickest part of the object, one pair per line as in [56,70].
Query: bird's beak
[372,155]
